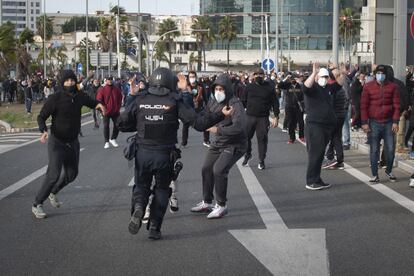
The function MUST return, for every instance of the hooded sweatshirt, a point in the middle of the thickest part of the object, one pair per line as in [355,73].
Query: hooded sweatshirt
[231,132]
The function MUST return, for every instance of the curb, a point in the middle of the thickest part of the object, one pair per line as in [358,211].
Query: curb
[33,129]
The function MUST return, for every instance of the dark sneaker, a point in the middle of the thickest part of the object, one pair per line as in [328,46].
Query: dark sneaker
[314,186]
[346,147]
[374,179]
[329,163]
[391,177]
[338,166]
[135,221]
[154,234]
[247,157]
[261,165]
[382,164]
[325,185]
[206,144]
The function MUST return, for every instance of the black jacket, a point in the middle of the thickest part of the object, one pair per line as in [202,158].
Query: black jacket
[129,120]
[319,104]
[294,94]
[232,130]
[259,99]
[66,114]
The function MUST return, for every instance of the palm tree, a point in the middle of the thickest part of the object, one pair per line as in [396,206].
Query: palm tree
[7,47]
[227,31]
[193,59]
[61,56]
[23,57]
[107,28]
[202,22]
[49,27]
[160,52]
[349,26]
[168,25]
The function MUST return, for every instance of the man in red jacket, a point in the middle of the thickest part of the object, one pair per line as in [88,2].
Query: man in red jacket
[380,114]
[111,97]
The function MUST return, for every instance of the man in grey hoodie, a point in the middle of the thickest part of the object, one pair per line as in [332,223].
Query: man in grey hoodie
[229,146]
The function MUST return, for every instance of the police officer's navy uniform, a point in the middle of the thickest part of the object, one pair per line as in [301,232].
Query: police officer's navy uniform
[154,115]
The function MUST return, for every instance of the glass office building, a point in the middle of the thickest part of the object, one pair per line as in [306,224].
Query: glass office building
[306,23]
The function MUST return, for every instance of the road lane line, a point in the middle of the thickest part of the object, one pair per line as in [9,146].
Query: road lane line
[33,141]
[23,182]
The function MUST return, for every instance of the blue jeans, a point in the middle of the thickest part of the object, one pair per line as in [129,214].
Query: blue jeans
[381,131]
[346,135]
[28,104]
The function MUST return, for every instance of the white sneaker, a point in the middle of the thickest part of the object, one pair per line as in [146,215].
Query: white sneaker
[147,214]
[54,201]
[411,183]
[113,143]
[218,212]
[106,146]
[38,211]
[202,207]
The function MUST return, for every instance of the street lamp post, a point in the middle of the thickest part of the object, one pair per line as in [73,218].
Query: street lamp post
[117,43]
[44,40]
[87,41]
[139,37]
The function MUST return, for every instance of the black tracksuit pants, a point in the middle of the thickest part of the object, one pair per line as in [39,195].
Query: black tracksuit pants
[216,167]
[335,143]
[149,164]
[260,125]
[115,131]
[317,137]
[295,118]
[61,155]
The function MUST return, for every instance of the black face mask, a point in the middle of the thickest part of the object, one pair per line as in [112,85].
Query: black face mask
[70,89]
[293,82]
[259,80]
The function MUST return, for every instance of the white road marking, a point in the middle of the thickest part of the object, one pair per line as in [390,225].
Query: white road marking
[4,150]
[23,182]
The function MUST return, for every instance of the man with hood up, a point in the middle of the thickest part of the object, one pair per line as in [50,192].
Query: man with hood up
[229,146]
[63,147]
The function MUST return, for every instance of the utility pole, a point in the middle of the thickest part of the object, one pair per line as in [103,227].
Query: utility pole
[87,41]
[117,43]
[44,40]
[335,33]
[139,38]
[261,33]
[289,39]
[277,38]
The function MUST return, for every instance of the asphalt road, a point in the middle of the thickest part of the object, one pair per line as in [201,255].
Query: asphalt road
[366,232]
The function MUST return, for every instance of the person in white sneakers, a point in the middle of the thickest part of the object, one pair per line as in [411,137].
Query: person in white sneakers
[229,146]
[110,96]
[411,181]
[63,146]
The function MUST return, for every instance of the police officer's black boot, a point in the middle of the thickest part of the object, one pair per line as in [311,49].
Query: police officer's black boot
[135,221]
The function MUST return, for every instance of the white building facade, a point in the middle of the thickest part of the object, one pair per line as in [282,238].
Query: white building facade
[22,13]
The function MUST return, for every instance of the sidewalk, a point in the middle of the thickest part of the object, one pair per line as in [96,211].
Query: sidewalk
[358,138]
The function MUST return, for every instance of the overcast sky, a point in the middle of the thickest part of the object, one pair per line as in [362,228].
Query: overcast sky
[156,7]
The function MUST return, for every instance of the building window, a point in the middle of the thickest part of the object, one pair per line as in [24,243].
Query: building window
[31,18]
[31,4]
[32,26]
[37,4]
[37,11]
[31,11]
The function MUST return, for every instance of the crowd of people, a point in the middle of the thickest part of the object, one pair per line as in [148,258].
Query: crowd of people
[320,109]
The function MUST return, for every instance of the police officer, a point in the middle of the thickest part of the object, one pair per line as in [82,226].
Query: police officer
[154,115]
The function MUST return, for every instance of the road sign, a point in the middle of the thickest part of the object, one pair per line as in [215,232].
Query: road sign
[79,68]
[268,64]
[412,25]
[100,59]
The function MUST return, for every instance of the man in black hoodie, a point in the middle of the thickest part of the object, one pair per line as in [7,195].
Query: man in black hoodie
[63,147]
[229,146]
[259,98]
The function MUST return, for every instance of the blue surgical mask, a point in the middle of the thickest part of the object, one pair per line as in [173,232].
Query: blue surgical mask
[380,77]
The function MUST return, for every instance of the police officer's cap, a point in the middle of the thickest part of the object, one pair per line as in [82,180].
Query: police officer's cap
[162,77]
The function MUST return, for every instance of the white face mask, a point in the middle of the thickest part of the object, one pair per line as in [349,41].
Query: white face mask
[192,80]
[220,96]
[272,77]
[322,82]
